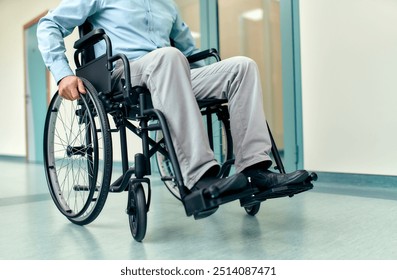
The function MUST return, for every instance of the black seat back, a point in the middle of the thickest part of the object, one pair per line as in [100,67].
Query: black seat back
[92,68]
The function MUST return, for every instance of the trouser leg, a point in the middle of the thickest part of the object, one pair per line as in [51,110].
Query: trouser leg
[237,79]
[166,73]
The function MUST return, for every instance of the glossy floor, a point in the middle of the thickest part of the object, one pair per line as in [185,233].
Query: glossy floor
[344,217]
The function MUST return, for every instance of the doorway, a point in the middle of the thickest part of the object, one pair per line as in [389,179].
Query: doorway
[36,93]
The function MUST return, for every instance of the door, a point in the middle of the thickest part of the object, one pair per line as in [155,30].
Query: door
[36,94]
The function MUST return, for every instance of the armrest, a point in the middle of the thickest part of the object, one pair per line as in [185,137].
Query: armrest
[203,55]
[90,39]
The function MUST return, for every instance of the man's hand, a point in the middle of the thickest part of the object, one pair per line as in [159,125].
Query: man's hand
[70,88]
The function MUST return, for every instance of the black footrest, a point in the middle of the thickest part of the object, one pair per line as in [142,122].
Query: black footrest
[200,205]
[205,213]
[283,191]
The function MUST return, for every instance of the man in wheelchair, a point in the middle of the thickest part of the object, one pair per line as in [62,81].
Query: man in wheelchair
[157,43]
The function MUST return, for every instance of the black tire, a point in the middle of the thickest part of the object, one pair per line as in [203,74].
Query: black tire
[222,140]
[253,210]
[78,155]
[137,212]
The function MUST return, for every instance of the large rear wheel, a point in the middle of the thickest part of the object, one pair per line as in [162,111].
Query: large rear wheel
[78,155]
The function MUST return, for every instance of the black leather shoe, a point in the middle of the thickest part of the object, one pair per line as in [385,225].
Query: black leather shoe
[265,179]
[215,187]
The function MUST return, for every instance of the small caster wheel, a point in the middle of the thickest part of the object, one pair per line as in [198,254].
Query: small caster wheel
[137,212]
[253,210]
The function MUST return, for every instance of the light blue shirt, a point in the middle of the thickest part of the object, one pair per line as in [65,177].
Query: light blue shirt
[135,27]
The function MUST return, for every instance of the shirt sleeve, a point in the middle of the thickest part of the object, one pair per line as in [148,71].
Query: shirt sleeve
[55,26]
[182,37]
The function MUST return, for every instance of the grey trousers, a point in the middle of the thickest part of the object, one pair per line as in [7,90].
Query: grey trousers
[174,88]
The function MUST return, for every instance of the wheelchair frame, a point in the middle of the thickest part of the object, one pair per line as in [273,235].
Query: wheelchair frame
[134,103]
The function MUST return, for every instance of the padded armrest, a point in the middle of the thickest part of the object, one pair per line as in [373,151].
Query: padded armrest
[90,39]
[203,55]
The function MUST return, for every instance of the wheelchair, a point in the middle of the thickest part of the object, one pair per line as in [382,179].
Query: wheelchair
[78,150]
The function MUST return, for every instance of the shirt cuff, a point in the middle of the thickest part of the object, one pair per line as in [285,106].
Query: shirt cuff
[60,69]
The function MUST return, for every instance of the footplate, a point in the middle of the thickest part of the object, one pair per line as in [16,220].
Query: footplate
[202,204]
[277,192]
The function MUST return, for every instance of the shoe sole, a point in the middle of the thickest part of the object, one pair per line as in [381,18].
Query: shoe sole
[294,181]
[277,192]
